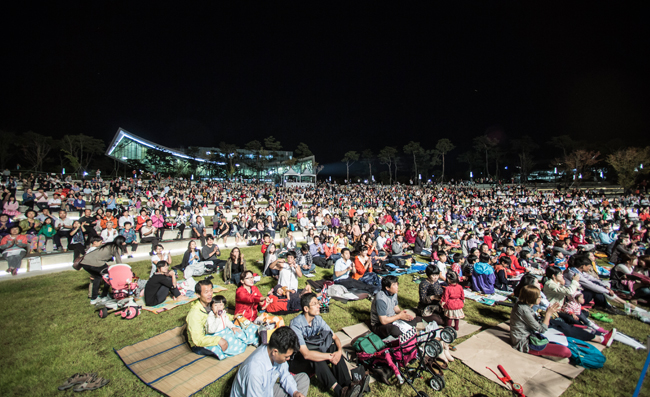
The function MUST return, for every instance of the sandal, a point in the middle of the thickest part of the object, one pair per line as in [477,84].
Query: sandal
[76,379]
[92,384]
[602,317]
[441,363]
[433,366]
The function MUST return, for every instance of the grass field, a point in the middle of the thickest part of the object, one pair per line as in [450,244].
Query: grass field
[49,332]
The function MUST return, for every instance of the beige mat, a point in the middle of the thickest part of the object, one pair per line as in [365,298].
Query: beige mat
[166,363]
[465,328]
[539,376]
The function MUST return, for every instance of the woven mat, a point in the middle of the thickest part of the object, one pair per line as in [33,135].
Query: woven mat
[166,363]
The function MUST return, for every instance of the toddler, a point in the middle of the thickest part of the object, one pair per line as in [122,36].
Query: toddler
[453,300]
[572,313]
[219,319]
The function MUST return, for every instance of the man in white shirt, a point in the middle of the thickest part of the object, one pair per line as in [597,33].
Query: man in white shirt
[289,273]
[63,226]
[342,269]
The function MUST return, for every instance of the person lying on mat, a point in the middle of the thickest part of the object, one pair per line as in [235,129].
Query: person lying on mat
[197,319]
[280,301]
[258,374]
[160,285]
[319,347]
[384,310]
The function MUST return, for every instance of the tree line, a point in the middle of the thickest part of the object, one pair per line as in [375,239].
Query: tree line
[573,161]
[36,152]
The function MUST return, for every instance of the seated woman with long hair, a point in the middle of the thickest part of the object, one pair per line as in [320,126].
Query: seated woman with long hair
[248,297]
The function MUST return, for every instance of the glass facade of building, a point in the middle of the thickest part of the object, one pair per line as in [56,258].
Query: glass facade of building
[209,162]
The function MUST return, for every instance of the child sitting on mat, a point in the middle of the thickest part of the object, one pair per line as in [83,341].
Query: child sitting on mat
[572,312]
[220,323]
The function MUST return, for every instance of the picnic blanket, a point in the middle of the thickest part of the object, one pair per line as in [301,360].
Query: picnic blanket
[169,303]
[539,376]
[317,286]
[489,300]
[166,364]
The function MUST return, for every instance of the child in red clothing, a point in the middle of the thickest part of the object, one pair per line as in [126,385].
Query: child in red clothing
[453,300]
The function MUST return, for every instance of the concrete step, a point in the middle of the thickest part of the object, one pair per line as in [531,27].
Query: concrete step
[61,261]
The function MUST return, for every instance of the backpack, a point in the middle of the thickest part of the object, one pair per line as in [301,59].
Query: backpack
[369,344]
[585,354]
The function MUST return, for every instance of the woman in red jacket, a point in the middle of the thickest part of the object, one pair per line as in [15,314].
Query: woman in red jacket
[248,297]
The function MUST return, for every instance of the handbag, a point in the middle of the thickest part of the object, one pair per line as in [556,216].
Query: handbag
[537,341]
[369,344]
[76,265]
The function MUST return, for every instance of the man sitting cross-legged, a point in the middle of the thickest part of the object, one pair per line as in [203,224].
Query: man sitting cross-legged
[321,350]
[384,310]
[197,319]
[258,374]
[342,269]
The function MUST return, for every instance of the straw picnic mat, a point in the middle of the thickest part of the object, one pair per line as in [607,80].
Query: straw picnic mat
[166,363]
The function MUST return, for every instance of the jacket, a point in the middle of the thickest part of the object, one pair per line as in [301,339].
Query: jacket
[246,303]
[197,319]
[556,293]
[587,281]
[227,270]
[186,258]
[101,255]
[483,278]
[454,297]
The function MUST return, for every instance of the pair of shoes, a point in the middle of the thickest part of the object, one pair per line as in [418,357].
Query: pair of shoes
[99,299]
[14,271]
[354,390]
[602,317]
[91,384]
[434,366]
[76,379]
[609,338]
[613,311]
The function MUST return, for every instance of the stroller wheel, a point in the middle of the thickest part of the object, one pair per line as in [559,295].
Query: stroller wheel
[437,383]
[433,348]
[448,334]
[103,312]
[422,394]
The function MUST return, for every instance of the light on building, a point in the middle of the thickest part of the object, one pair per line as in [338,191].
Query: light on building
[419,176]
[208,152]
[580,176]
[641,166]
[192,176]
[471,174]
[124,158]
[506,167]
[555,171]
[63,172]
[601,174]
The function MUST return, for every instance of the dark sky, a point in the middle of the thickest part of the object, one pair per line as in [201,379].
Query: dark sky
[334,75]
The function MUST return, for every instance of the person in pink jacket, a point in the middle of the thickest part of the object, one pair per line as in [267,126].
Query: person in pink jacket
[10,207]
[158,222]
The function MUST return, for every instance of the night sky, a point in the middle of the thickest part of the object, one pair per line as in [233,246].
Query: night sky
[336,76]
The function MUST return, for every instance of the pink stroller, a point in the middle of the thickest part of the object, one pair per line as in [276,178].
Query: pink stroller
[411,349]
[123,285]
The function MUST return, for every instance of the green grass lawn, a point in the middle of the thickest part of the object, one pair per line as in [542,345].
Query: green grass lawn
[49,332]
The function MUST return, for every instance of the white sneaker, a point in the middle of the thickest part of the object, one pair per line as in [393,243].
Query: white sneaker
[95,301]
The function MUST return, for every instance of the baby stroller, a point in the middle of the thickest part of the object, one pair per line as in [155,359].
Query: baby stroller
[406,357]
[123,285]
